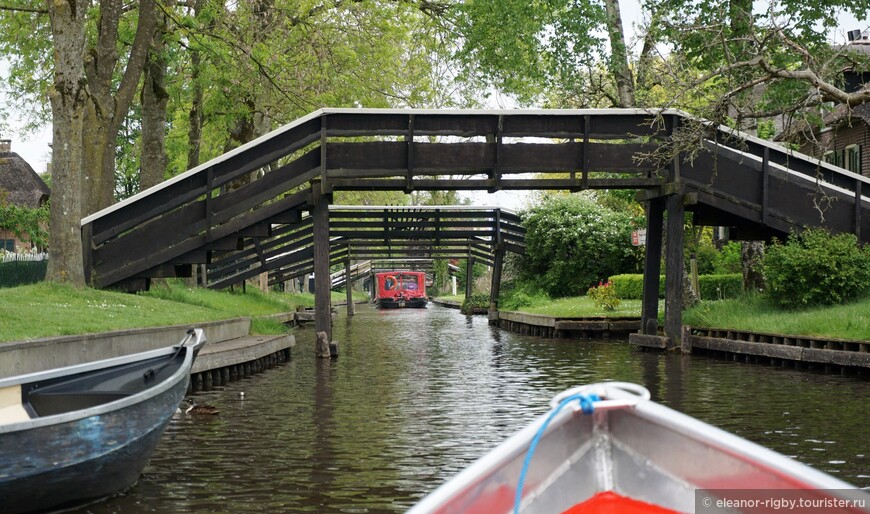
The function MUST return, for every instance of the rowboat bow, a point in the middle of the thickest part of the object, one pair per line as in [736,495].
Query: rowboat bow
[607,448]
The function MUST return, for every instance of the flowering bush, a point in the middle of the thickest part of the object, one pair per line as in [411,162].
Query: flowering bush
[604,296]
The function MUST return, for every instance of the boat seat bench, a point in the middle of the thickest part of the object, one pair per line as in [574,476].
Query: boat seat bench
[11,409]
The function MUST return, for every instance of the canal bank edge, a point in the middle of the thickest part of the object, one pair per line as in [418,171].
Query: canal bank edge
[229,342]
[766,346]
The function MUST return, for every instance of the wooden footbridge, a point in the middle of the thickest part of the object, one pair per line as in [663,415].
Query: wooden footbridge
[265,207]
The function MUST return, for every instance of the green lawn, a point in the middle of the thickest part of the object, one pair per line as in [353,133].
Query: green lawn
[573,307]
[581,307]
[751,313]
[42,310]
[850,321]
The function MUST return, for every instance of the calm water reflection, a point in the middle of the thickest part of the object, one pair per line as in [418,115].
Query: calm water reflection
[418,395]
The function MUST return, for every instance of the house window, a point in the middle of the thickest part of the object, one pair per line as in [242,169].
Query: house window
[853,158]
[834,157]
[7,244]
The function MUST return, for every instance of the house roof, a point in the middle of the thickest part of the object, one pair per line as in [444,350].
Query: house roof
[20,183]
[841,115]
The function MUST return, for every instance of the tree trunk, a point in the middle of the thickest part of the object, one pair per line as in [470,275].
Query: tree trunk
[67,106]
[109,106]
[619,65]
[194,131]
[752,254]
[154,104]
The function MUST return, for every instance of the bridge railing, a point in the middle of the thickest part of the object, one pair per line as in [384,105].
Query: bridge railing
[258,191]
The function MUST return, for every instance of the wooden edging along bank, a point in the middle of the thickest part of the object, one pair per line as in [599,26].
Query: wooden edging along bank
[552,327]
[749,346]
[779,348]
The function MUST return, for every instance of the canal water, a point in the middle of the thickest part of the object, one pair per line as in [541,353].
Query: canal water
[417,395]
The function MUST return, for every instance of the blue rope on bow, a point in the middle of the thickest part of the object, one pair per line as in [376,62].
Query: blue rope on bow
[586,405]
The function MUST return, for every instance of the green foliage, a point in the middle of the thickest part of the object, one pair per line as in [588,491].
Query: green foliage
[440,277]
[729,259]
[766,129]
[706,257]
[572,244]
[629,286]
[26,223]
[604,296]
[816,268]
[519,294]
[478,269]
[713,287]
[475,303]
[718,287]
[523,47]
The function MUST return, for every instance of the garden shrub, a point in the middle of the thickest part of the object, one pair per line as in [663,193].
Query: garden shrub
[603,296]
[475,303]
[573,243]
[629,286]
[706,257]
[729,259]
[720,287]
[816,268]
[518,294]
[713,287]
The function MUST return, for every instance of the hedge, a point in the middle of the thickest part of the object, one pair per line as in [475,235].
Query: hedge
[720,287]
[713,287]
[19,273]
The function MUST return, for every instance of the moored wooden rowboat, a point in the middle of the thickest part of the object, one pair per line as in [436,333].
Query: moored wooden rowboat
[84,432]
[627,454]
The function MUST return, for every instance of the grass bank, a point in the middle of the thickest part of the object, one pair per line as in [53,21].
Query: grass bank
[750,313]
[43,310]
[571,307]
[754,313]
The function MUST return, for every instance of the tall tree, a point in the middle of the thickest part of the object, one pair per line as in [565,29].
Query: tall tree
[155,102]
[693,45]
[109,103]
[68,96]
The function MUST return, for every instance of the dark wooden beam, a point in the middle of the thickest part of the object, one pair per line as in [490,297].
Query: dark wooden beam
[541,184]
[495,285]
[652,266]
[452,158]
[322,286]
[674,272]
[469,275]
[348,285]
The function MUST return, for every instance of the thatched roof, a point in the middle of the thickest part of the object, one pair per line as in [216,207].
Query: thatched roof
[19,184]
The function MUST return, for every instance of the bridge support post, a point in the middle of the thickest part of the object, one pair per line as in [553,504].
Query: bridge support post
[495,286]
[674,272]
[322,294]
[349,289]
[652,267]
[469,275]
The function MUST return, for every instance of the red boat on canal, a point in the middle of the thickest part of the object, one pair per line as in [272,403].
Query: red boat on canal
[397,289]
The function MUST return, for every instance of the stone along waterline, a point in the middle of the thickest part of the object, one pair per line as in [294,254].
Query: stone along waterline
[417,395]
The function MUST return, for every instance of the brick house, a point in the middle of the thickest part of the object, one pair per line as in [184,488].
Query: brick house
[19,185]
[845,139]
[844,136]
